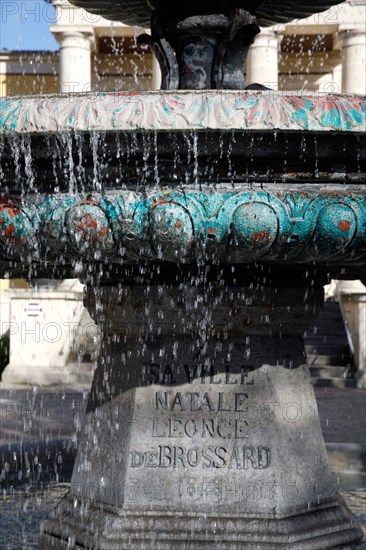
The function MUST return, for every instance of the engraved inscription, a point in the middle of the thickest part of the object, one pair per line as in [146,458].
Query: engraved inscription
[221,490]
[200,401]
[223,428]
[210,489]
[169,456]
[164,375]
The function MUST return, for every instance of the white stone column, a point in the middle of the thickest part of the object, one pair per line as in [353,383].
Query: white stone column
[354,61]
[262,60]
[352,29]
[156,74]
[75,61]
[74,30]
[337,78]
[359,307]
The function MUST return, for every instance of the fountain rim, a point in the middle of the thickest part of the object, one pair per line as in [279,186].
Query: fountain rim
[216,92]
[184,110]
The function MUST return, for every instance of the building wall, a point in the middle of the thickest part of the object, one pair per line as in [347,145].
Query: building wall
[310,55]
[320,71]
[23,73]
[119,70]
[313,54]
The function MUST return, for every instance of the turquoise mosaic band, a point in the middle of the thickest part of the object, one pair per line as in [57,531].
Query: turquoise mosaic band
[239,227]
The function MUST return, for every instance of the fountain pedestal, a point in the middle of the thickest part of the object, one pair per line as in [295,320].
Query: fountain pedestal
[202,427]
[209,223]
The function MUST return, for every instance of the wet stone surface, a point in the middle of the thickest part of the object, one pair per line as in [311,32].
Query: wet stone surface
[244,452]
[25,503]
[250,445]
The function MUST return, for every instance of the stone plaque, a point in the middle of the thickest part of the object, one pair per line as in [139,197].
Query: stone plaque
[248,442]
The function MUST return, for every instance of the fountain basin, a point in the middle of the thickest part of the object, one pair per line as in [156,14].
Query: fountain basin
[138,12]
[184,176]
[204,226]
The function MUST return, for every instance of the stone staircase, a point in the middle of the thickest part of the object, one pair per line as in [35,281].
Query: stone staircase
[328,352]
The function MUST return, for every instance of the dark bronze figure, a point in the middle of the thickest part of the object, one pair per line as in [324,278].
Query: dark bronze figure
[202,44]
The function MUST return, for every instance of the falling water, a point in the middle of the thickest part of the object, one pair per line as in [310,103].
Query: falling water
[92,163]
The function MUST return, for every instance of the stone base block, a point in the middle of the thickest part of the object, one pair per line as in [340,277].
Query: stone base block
[204,440]
[256,482]
[109,528]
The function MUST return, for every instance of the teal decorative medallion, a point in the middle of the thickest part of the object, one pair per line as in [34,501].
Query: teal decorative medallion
[185,226]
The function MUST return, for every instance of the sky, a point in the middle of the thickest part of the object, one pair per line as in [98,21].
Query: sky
[24,25]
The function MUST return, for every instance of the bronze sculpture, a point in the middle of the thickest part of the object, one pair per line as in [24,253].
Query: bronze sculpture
[203,44]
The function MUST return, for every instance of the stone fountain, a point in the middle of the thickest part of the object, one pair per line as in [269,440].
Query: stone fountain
[204,225]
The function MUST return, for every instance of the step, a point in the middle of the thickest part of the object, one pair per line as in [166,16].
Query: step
[327,332]
[329,304]
[329,316]
[336,360]
[334,382]
[329,323]
[335,343]
[325,339]
[327,349]
[349,369]
[322,371]
[329,310]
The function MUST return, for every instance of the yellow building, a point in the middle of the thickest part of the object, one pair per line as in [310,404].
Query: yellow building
[325,53]
[28,72]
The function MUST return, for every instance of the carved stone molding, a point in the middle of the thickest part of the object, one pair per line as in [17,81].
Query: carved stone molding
[180,227]
[183,110]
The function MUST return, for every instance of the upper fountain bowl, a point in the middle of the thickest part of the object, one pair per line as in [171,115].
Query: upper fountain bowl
[268,12]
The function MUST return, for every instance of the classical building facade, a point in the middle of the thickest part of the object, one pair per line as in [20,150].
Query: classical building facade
[325,53]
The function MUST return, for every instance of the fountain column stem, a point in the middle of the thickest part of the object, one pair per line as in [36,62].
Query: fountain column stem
[202,51]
